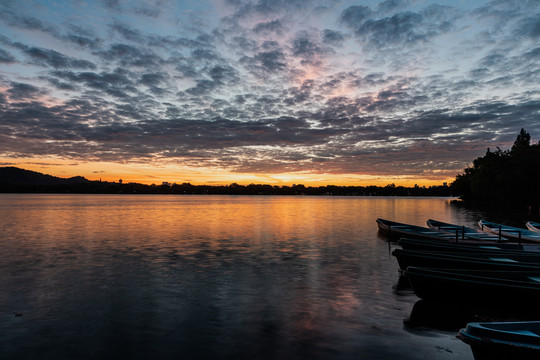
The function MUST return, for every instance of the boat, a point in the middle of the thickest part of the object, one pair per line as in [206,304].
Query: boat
[461,232]
[452,247]
[486,287]
[503,340]
[533,226]
[396,229]
[473,261]
[510,232]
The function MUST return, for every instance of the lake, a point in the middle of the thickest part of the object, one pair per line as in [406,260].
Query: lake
[212,277]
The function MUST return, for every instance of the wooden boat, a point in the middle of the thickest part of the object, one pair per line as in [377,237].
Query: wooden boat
[452,247]
[533,226]
[503,340]
[510,232]
[472,261]
[396,229]
[486,287]
[461,232]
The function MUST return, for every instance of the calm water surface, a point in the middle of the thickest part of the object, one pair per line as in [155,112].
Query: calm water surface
[211,277]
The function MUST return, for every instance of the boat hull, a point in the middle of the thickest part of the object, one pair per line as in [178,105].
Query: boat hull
[451,247]
[398,230]
[502,261]
[512,340]
[520,288]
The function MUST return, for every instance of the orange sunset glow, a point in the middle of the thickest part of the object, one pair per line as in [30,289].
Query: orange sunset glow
[277,93]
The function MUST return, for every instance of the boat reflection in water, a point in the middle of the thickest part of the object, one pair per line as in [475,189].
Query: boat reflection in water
[439,316]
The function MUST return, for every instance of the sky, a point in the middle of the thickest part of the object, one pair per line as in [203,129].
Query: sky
[265,91]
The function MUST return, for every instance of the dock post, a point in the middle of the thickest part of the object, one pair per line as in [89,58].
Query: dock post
[500,233]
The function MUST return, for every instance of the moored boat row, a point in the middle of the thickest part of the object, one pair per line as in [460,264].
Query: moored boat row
[458,234]
[496,265]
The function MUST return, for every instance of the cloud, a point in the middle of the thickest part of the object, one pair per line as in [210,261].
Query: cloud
[27,22]
[273,26]
[354,16]
[271,60]
[333,37]
[47,57]
[529,27]
[22,91]
[270,86]
[6,57]
[128,55]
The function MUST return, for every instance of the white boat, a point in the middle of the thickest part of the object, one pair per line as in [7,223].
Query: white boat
[462,232]
[533,226]
[510,232]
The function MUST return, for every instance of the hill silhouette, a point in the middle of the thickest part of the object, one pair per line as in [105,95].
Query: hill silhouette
[21,177]
[16,180]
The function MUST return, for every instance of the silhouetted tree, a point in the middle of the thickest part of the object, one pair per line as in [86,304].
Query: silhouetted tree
[506,178]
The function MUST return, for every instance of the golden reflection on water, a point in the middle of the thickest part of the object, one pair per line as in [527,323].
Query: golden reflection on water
[291,270]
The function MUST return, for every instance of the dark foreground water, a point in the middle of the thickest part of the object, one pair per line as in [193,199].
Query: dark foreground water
[212,277]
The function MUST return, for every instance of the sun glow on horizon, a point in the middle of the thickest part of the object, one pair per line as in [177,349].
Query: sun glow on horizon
[148,174]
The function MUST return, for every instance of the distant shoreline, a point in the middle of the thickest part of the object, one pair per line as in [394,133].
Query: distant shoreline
[16,180]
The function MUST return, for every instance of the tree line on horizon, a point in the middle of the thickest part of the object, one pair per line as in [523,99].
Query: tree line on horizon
[97,187]
[503,178]
[13,180]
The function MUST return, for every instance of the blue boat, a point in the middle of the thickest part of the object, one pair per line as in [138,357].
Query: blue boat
[503,340]
[510,232]
[462,232]
[397,230]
